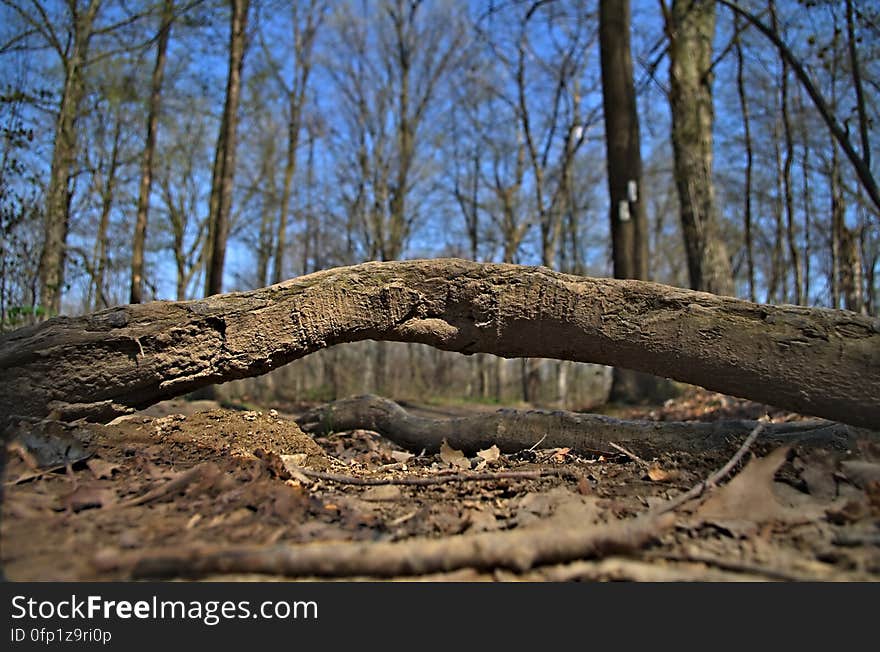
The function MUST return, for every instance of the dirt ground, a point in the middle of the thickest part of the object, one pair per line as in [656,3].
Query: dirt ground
[190,481]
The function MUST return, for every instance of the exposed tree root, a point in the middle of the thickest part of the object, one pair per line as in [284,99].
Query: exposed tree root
[516,430]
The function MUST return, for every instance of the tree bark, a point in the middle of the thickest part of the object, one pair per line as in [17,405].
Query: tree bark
[224,162]
[788,192]
[629,222]
[108,192]
[815,361]
[56,222]
[143,205]
[691,28]
[517,430]
[747,135]
[629,227]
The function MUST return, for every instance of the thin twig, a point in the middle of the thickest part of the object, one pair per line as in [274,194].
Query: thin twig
[731,565]
[536,444]
[35,475]
[170,487]
[714,479]
[629,454]
[435,479]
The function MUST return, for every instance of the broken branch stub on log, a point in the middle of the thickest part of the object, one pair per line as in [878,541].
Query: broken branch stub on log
[815,361]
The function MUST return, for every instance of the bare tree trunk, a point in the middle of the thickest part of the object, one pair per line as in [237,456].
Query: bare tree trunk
[838,210]
[224,161]
[107,196]
[808,211]
[267,215]
[500,378]
[747,199]
[690,25]
[777,288]
[629,222]
[788,192]
[851,269]
[58,193]
[811,360]
[856,72]
[143,205]
[303,40]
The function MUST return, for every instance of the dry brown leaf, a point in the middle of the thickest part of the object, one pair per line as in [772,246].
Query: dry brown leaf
[559,454]
[491,454]
[657,474]
[558,503]
[453,457]
[753,497]
[101,468]
[401,456]
[88,495]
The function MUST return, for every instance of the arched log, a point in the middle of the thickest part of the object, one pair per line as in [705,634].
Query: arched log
[815,361]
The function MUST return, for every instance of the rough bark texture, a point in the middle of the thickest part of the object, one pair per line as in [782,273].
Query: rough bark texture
[56,221]
[629,223]
[691,29]
[516,430]
[811,360]
[220,203]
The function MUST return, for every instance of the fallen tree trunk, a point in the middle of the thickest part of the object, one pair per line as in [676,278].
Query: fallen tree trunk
[516,430]
[814,361]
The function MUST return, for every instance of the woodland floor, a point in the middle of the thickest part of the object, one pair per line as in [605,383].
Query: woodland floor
[178,479]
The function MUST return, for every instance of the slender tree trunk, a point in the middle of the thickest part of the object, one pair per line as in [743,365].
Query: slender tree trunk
[808,210]
[788,192]
[224,161]
[267,215]
[629,225]
[851,269]
[303,41]
[287,184]
[690,25]
[838,209]
[777,288]
[397,228]
[856,72]
[747,128]
[143,205]
[107,196]
[58,194]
